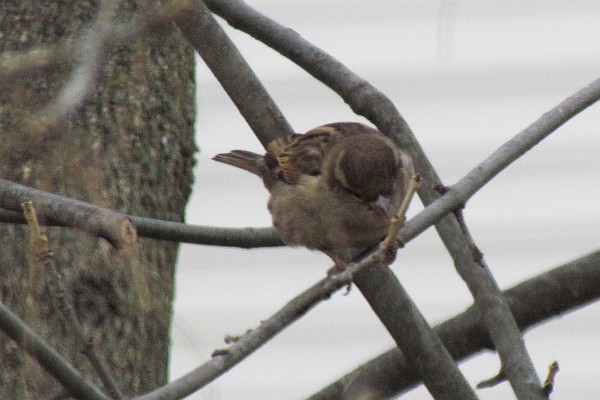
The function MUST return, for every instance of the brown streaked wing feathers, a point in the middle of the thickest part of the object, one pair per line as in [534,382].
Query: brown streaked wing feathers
[292,156]
[298,155]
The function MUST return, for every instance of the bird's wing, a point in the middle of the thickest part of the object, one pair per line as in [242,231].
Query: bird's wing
[295,155]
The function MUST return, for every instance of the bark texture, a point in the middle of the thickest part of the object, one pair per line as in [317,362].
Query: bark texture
[129,148]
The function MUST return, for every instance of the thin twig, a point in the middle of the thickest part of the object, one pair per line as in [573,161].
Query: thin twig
[47,357]
[549,382]
[44,257]
[246,238]
[399,219]
[493,381]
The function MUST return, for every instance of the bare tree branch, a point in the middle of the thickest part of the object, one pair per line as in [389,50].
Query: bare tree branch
[101,222]
[245,238]
[549,382]
[233,72]
[506,154]
[47,357]
[92,51]
[563,289]
[427,355]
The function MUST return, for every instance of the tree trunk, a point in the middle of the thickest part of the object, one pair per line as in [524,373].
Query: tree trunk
[129,148]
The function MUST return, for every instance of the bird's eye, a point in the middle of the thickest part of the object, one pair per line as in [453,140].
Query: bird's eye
[357,195]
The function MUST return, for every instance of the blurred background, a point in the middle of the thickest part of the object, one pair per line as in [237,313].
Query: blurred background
[467,76]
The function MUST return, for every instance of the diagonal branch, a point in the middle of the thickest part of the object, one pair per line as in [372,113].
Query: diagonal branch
[426,353]
[233,72]
[47,357]
[45,258]
[502,157]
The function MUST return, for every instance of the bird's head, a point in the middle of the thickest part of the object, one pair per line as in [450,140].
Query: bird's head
[365,165]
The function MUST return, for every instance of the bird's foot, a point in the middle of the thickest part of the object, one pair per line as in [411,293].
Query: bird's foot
[339,264]
[336,269]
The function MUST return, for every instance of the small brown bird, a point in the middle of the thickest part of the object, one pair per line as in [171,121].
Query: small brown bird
[334,188]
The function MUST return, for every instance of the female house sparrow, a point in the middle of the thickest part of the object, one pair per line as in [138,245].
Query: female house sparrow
[334,188]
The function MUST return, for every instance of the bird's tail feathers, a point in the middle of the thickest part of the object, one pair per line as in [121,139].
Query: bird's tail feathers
[243,159]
